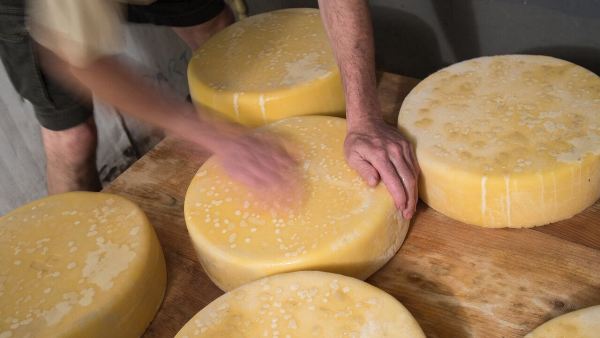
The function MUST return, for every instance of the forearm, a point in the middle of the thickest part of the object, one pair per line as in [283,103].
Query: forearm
[348,25]
[112,81]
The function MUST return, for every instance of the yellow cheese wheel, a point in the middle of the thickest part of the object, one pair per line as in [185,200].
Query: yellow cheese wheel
[341,225]
[268,67]
[584,323]
[79,265]
[507,141]
[304,304]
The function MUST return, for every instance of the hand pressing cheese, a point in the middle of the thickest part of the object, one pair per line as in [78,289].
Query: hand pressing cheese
[507,141]
[302,305]
[267,67]
[79,265]
[584,323]
[338,224]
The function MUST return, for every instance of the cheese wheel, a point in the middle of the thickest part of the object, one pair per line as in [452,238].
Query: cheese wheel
[268,67]
[79,265]
[304,304]
[507,141]
[341,225]
[584,323]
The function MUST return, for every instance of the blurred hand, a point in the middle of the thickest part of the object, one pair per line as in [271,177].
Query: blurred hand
[257,160]
[378,151]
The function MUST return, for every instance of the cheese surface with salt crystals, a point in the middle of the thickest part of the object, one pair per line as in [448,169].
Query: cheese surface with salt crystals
[584,323]
[304,304]
[79,264]
[339,224]
[268,67]
[507,141]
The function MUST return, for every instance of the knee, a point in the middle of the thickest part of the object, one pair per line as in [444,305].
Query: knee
[221,21]
[73,146]
[195,36]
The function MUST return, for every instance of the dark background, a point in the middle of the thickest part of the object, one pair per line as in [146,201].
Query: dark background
[417,37]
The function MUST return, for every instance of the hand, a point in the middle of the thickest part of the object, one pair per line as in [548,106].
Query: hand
[259,161]
[378,151]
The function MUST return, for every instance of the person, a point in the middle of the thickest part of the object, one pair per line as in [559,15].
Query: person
[80,41]
[67,126]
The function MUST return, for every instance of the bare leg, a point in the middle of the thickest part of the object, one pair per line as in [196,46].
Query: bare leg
[195,36]
[71,158]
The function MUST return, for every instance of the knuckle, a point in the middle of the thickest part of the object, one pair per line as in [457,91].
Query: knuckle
[395,150]
[395,188]
[354,160]
[379,154]
[381,164]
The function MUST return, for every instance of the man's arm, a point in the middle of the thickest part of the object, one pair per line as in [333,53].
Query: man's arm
[374,149]
[256,161]
[78,43]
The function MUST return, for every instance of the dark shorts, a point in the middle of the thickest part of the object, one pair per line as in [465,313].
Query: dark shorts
[55,107]
[175,13]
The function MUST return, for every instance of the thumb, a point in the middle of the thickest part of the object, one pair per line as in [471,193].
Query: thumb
[365,170]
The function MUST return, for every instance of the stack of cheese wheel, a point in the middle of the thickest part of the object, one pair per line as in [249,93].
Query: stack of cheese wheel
[304,304]
[341,225]
[79,265]
[507,141]
[584,323]
[268,67]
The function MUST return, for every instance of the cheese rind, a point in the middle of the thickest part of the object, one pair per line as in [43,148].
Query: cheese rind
[79,265]
[333,227]
[584,323]
[304,304]
[507,141]
[268,67]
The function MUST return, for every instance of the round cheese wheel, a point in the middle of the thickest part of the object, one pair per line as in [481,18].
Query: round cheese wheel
[340,225]
[268,67]
[304,304]
[79,265]
[507,141]
[584,323]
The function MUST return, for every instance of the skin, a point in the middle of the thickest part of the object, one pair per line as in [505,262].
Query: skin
[71,158]
[71,153]
[376,150]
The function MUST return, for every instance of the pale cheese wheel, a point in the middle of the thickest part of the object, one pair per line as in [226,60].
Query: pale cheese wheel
[301,305]
[267,67]
[584,323]
[79,265]
[507,141]
[341,225]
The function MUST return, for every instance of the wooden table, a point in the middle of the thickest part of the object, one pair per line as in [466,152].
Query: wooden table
[457,280]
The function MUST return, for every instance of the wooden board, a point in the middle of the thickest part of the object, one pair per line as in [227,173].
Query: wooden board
[457,280]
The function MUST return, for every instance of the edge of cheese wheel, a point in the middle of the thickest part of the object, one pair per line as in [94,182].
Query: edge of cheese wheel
[110,290]
[304,304]
[583,323]
[521,195]
[311,85]
[238,243]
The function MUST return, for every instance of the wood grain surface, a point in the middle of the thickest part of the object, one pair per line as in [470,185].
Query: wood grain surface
[457,280]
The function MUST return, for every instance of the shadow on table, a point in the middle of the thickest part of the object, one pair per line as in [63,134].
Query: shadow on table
[565,303]
[427,300]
